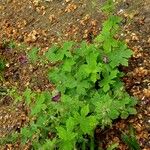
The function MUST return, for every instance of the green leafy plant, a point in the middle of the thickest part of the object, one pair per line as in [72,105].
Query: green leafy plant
[11,44]
[32,55]
[109,6]
[113,146]
[131,140]
[2,64]
[2,67]
[9,139]
[88,92]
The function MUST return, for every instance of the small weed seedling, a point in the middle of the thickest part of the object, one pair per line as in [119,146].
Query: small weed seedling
[2,67]
[130,140]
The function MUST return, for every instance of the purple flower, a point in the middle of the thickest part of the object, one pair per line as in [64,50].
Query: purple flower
[56,96]
[22,59]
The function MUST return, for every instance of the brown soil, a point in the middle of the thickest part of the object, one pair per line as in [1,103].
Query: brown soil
[44,23]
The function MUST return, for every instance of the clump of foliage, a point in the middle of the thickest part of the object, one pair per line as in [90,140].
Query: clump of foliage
[88,92]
